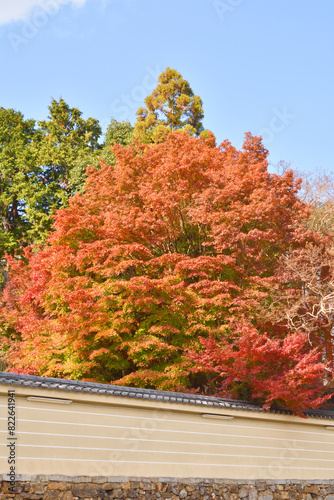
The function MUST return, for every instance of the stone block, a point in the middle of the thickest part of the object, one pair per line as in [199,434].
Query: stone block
[49,495]
[57,486]
[85,490]
[252,495]
[243,492]
[67,495]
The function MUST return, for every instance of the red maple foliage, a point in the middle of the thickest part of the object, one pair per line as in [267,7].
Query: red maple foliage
[171,245]
[281,371]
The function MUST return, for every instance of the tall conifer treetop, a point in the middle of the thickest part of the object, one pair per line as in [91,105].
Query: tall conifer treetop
[171,106]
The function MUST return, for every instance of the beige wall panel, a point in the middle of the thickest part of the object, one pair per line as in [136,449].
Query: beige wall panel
[182,446]
[92,439]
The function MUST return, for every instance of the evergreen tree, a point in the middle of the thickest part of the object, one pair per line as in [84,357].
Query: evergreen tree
[19,177]
[171,106]
[117,132]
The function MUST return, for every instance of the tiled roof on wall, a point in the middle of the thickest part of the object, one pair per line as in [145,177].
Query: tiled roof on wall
[33,381]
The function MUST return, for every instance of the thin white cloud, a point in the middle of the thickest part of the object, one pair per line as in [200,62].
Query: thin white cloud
[21,10]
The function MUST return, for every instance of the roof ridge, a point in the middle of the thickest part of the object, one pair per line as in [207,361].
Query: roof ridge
[83,383]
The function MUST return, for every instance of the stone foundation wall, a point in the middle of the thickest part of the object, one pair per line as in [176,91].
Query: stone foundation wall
[103,488]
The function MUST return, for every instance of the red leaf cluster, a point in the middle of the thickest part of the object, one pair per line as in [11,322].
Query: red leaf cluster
[283,371]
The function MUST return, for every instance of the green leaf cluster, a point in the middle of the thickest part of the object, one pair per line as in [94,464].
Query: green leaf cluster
[43,164]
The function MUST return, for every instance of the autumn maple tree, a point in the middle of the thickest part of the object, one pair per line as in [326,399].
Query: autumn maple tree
[166,258]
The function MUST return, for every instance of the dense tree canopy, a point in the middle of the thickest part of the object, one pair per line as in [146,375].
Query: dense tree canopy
[173,263]
[42,165]
[176,243]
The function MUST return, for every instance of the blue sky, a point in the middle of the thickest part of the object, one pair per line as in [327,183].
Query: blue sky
[260,66]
